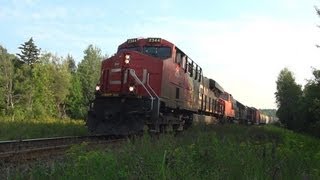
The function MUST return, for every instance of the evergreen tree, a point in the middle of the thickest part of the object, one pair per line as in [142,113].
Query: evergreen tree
[288,98]
[24,82]
[29,52]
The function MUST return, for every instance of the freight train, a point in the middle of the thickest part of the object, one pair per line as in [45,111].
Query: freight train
[152,83]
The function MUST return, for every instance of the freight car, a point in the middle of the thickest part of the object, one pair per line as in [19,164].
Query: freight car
[151,82]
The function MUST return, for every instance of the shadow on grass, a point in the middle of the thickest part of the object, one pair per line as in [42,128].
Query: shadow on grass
[10,130]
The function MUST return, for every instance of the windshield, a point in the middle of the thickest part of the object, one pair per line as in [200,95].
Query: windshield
[135,48]
[159,52]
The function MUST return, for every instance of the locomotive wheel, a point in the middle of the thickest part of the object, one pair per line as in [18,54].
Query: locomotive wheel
[163,128]
[175,127]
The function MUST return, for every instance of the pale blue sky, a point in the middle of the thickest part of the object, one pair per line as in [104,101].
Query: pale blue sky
[242,44]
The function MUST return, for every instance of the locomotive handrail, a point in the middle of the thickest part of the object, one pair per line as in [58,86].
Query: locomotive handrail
[157,105]
[133,74]
[151,87]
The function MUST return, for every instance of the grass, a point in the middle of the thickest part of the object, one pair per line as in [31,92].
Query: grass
[203,152]
[46,127]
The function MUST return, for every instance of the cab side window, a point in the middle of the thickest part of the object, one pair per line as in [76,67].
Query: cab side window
[184,62]
[190,67]
[181,59]
[178,57]
[200,74]
[196,73]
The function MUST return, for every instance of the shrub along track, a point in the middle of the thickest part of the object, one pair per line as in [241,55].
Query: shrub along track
[18,152]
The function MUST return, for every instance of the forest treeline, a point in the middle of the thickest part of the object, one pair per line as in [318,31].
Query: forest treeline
[299,108]
[35,84]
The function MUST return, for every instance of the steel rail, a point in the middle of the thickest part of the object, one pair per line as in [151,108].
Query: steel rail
[18,150]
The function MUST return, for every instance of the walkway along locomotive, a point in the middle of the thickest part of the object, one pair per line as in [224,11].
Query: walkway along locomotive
[151,82]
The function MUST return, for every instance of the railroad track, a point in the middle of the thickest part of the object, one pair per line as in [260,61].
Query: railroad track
[19,151]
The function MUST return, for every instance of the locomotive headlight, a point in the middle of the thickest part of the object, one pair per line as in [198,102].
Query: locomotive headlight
[97,88]
[131,88]
[127,59]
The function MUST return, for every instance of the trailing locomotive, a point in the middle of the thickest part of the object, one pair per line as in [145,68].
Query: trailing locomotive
[151,82]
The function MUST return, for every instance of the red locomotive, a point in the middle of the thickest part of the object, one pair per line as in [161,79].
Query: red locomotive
[151,82]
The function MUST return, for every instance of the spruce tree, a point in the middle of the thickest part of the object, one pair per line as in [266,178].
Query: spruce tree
[29,52]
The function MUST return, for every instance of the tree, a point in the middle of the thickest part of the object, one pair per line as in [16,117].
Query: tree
[6,81]
[75,102]
[29,52]
[288,99]
[312,103]
[89,72]
[51,80]
[318,13]
[61,84]
[43,100]
[71,64]
[24,82]
[317,10]
[23,90]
